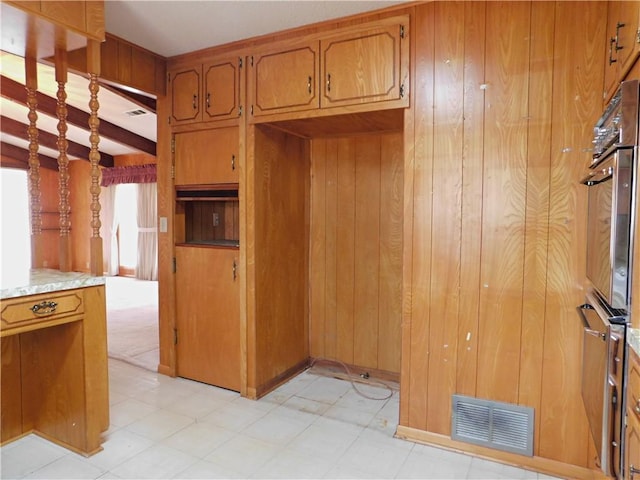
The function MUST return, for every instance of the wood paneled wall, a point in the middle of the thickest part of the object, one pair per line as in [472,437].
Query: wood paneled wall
[278,260]
[80,200]
[505,94]
[356,250]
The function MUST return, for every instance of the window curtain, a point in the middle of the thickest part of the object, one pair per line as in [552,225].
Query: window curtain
[108,229]
[129,174]
[147,266]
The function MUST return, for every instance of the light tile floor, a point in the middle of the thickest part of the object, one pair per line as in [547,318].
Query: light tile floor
[311,427]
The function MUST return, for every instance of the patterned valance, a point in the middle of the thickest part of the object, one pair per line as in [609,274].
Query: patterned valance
[129,174]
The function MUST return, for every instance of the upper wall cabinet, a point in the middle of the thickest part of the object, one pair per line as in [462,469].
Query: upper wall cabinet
[205,93]
[353,67]
[206,156]
[286,80]
[623,42]
[363,67]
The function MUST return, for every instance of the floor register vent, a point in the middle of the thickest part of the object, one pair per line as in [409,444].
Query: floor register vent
[498,425]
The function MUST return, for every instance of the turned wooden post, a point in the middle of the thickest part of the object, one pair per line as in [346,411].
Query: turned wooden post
[35,205]
[63,161]
[93,68]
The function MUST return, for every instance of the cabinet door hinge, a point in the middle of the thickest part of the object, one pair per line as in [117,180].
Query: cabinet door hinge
[173,145]
[401,31]
[252,60]
[402,91]
[251,109]
[175,336]
[240,111]
[240,62]
[174,265]
[638,36]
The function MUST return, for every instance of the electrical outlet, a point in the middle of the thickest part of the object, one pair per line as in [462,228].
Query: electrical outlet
[216,219]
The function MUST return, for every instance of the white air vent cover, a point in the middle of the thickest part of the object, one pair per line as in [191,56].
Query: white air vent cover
[136,112]
[498,425]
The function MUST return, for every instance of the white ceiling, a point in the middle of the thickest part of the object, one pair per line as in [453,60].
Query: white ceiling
[174,27]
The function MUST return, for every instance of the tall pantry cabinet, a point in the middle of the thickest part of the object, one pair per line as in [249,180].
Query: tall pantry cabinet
[205,138]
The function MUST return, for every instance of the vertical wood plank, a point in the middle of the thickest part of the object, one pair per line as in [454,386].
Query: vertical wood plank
[331,249]
[366,251]
[390,280]
[446,212]
[507,64]
[317,274]
[422,209]
[345,249]
[537,209]
[578,78]
[472,193]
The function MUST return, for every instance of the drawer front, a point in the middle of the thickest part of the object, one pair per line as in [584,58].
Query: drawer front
[634,386]
[41,308]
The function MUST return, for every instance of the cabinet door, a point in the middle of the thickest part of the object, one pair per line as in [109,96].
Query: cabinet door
[285,81]
[184,88]
[628,35]
[363,67]
[221,89]
[632,447]
[611,63]
[206,156]
[208,316]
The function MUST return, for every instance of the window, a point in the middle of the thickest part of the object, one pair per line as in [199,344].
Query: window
[15,238]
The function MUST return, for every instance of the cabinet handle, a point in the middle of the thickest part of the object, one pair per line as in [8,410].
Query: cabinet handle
[636,408]
[309,85]
[618,27]
[195,101]
[328,82]
[208,100]
[44,308]
[233,162]
[611,43]
[632,471]
[235,270]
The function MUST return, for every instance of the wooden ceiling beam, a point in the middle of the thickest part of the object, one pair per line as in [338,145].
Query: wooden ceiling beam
[22,155]
[49,140]
[16,92]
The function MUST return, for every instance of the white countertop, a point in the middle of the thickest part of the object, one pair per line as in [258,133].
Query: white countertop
[633,339]
[43,280]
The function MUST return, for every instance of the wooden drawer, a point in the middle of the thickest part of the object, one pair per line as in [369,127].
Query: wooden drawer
[50,308]
[634,385]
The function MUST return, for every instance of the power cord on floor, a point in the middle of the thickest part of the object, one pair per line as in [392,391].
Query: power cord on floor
[350,376]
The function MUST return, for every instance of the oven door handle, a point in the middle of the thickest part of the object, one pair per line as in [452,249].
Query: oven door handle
[584,306]
[599,176]
[587,328]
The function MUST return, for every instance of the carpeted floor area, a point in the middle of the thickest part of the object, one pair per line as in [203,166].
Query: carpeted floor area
[132,321]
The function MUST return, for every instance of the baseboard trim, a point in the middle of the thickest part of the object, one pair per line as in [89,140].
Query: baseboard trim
[166,370]
[270,385]
[538,464]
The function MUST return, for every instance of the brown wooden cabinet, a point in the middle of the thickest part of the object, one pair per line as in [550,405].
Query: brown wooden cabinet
[54,368]
[184,86]
[632,436]
[285,80]
[206,156]
[207,315]
[363,66]
[205,92]
[623,42]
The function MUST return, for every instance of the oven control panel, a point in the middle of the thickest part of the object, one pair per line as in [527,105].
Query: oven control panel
[618,126]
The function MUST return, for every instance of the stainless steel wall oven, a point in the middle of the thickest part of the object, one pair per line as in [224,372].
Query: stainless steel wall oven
[611,221]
